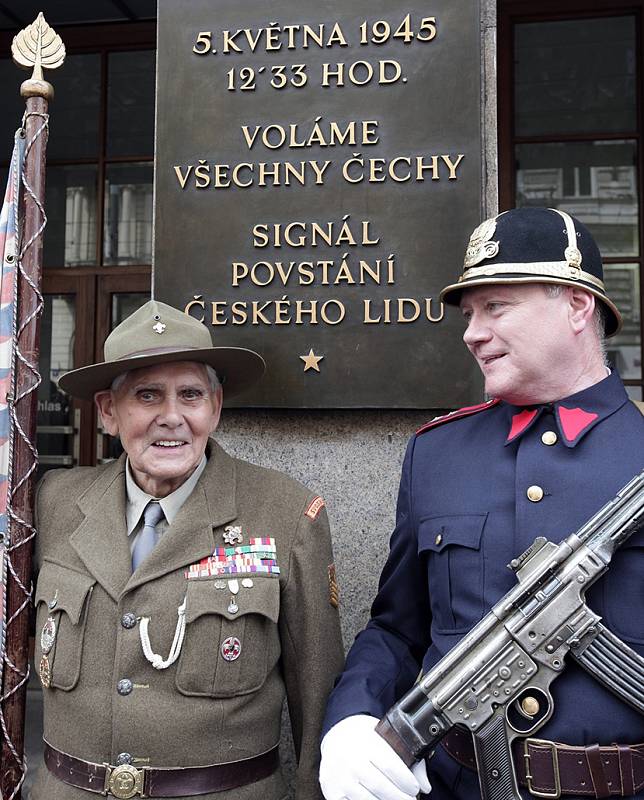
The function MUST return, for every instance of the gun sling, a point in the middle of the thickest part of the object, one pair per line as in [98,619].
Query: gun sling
[552,769]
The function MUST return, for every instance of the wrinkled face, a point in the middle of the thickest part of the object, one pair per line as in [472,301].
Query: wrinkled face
[522,340]
[163,416]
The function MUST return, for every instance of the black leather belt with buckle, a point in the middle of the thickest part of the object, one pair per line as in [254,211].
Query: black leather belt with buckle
[125,781]
[552,769]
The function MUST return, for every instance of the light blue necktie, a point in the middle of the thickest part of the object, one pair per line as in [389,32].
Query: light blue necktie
[147,537]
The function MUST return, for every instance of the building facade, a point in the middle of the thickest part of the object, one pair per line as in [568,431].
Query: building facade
[570,135]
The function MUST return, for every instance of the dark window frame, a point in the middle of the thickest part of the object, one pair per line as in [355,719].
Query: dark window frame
[94,285]
[513,12]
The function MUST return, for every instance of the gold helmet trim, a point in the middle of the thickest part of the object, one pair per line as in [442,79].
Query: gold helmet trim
[547,269]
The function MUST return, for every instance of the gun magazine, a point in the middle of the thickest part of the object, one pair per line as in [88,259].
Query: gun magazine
[616,666]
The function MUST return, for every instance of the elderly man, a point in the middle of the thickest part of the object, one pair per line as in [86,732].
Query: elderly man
[182,593]
[557,440]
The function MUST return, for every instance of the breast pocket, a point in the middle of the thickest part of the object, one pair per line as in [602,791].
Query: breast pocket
[623,591]
[451,546]
[62,600]
[231,641]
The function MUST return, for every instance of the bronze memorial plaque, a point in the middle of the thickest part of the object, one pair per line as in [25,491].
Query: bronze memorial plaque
[318,174]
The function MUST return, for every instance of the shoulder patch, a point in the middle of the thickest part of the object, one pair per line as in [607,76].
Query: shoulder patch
[467,411]
[315,506]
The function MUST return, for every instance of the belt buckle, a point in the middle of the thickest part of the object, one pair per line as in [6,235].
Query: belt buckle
[124,781]
[555,768]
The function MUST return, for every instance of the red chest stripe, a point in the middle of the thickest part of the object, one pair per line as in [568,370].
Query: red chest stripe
[461,412]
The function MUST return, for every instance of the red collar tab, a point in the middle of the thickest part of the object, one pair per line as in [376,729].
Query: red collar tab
[461,412]
[520,422]
[574,421]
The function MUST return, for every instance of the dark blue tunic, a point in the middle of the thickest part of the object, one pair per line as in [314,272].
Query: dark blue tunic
[463,513]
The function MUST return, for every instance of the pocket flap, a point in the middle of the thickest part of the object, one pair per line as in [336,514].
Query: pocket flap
[437,533]
[64,585]
[263,597]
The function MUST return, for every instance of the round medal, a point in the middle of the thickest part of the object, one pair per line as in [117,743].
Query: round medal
[231,648]
[48,635]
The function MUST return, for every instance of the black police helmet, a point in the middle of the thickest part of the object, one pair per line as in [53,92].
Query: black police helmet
[534,245]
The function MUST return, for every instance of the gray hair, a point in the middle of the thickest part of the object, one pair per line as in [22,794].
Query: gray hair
[599,317]
[213,379]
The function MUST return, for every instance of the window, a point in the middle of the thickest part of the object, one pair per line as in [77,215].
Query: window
[98,200]
[570,138]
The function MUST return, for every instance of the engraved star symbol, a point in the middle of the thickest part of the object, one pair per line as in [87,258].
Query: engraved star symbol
[311,361]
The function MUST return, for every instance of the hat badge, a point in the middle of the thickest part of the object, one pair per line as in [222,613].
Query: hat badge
[480,245]
[159,327]
[573,257]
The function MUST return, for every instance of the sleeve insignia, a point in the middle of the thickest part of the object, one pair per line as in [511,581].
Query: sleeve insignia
[315,506]
[334,590]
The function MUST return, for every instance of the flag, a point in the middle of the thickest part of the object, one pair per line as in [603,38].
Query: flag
[8,273]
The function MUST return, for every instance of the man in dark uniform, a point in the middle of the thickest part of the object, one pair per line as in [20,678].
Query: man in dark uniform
[557,440]
[182,594]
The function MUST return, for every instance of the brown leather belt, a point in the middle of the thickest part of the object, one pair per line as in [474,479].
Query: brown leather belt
[125,781]
[552,769]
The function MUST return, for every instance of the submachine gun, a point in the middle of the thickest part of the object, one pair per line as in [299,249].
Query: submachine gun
[496,681]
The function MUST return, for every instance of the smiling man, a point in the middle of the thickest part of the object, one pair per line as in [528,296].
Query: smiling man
[182,594]
[558,438]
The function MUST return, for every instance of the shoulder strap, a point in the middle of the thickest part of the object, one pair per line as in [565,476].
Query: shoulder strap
[459,414]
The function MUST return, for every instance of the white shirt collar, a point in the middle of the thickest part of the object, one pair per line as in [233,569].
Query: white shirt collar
[137,499]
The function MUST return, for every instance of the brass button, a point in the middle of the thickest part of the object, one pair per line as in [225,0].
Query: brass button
[535,493]
[438,539]
[549,437]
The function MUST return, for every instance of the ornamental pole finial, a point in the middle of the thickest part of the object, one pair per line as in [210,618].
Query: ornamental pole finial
[38,45]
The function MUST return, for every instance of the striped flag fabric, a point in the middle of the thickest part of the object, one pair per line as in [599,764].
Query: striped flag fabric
[8,273]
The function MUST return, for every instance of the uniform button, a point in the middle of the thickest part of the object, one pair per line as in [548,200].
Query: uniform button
[124,686]
[124,758]
[128,620]
[535,493]
[549,437]
[439,538]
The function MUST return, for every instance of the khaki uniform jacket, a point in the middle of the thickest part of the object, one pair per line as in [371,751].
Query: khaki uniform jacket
[203,709]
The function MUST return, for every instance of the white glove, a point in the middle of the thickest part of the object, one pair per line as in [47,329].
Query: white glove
[358,764]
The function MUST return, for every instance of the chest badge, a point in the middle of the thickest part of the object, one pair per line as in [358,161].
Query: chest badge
[44,670]
[231,648]
[48,635]
[233,534]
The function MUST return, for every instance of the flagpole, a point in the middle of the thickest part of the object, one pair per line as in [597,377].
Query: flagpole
[37,46]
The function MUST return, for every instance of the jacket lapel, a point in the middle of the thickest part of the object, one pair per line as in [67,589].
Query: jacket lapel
[101,539]
[190,537]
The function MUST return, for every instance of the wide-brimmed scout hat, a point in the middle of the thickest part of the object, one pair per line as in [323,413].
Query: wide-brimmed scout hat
[158,334]
[534,245]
